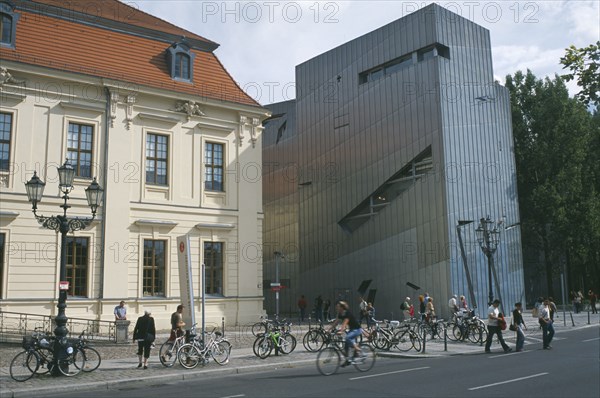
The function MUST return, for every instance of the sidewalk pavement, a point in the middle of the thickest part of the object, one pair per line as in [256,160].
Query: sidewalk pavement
[119,373]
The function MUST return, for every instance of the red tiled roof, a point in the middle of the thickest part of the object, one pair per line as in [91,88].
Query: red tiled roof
[117,11]
[70,46]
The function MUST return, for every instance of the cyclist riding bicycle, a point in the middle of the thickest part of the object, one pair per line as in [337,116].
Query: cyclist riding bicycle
[348,322]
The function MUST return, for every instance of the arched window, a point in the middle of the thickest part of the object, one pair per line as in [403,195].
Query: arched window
[180,61]
[8,24]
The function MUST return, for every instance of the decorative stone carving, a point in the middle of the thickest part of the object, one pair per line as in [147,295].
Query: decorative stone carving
[243,126]
[129,100]
[114,100]
[6,77]
[256,129]
[190,108]
[3,181]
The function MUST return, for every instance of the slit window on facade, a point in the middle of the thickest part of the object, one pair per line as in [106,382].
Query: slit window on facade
[397,64]
[154,268]
[79,148]
[157,159]
[213,165]
[395,186]
[213,261]
[5,135]
[77,265]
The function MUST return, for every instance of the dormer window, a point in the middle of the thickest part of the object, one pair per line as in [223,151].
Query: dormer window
[180,61]
[8,25]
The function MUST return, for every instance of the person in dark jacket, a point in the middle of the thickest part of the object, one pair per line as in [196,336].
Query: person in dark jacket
[145,333]
[517,320]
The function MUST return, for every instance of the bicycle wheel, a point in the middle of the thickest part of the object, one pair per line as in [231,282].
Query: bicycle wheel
[313,340]
[366,360]
[416,341]
[381,341]
[452,327]
[46,356]
[168,354]
[262,347]
[403,340]
[24,365]
[92,359]
[72,364]
[188,356]
[287,343]
[328,361]
[259,328]
[221,352]
[477,334]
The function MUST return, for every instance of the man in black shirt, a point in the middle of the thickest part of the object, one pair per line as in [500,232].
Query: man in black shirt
[348,322]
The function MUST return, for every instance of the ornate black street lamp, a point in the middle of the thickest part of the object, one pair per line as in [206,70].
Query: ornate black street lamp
[488,237]
[64,225]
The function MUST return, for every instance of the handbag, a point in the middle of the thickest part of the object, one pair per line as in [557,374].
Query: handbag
[513,327]
[149,338]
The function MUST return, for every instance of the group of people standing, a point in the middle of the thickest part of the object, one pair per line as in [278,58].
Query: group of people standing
[321,308]
[144,332]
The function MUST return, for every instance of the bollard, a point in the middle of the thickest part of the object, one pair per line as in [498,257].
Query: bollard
[588,317]
[424,340]
[480,337]
[445,339]
[223,325]
[572,321]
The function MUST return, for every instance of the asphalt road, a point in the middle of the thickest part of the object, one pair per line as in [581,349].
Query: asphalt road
[570,369]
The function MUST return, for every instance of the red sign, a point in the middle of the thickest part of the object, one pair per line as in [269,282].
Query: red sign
[63,285]
[277,288]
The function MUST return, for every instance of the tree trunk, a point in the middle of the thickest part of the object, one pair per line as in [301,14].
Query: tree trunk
[549,268]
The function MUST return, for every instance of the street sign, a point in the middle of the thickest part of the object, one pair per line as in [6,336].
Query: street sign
[276,288]
[63,285]
[275,284]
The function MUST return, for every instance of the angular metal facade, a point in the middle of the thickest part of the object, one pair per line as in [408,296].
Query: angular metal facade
[399,134]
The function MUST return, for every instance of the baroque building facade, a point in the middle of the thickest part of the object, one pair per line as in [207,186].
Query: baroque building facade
[148,109]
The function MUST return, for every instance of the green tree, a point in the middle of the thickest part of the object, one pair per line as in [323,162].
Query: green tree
[553,137]
[584,64]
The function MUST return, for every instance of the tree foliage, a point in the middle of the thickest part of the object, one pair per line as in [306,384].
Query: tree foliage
[584,64]
[557,146]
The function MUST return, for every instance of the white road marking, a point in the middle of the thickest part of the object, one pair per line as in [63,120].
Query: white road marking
[508,381]
[235,396]
[508,354]
[388,373]
[585,341]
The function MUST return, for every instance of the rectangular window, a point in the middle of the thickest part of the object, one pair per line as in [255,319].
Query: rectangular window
[157,159]
[213,260]
[5,134]
[2,245]
[214,167]
[77,265]
[154,267]
[79,148]
[6,28]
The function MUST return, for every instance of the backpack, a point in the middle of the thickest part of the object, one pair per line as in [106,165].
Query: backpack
[404,306]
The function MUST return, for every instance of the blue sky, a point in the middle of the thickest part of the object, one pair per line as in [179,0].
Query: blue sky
[262,41]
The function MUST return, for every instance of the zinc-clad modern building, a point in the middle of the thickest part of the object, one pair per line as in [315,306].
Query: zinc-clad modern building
[400,135]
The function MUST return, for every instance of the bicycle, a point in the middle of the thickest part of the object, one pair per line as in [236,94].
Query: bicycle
[277,338]
[39,358]
[329,359]
[168,350]
[317,338]
[91,355]
[216,347]
[406,338]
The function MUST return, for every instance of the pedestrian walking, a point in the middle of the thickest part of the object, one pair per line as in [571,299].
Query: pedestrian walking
[453,306]
[144,333]
[592,296]
[177,323]
[494,328]
[319,308]
[302,307]
[405,307]
[547,325]
[362,310]
[422,307]
[519,323]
